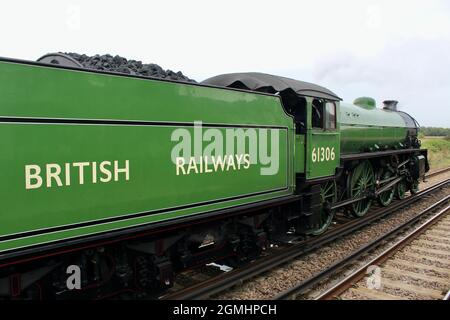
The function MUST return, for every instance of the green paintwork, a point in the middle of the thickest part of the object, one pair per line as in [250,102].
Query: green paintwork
[365,102]
[322,140]
[400,190]
[362,179]
[386,197]
[328,194]
[362,129]
[44,92]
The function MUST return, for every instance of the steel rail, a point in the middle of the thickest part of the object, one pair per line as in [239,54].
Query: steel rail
[360,273]
[310,282]
[437,172]
[227,280]
[447,296]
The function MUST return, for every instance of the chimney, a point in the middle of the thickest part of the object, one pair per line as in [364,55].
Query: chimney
[390,105]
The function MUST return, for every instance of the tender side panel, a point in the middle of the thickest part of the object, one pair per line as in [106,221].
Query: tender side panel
[63,179]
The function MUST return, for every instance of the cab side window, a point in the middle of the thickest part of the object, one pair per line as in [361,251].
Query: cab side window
[317,119]
[330,116]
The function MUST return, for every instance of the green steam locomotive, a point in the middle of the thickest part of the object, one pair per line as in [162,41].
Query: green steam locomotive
[133,179]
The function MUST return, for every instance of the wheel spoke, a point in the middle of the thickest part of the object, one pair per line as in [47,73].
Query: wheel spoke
[386,197]
[328,193]
[366,174]
[361,180]
[357,174]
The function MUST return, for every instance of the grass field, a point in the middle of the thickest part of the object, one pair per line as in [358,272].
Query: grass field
[438,151]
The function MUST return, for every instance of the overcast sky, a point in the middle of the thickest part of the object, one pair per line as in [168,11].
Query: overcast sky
[384,49]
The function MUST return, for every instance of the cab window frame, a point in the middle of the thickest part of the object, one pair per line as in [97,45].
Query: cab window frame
[322,113]
[327,121]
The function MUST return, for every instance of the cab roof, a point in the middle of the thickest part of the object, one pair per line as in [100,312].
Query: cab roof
[263,82]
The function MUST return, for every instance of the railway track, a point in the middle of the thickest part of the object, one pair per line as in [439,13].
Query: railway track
[447,296]
[214,285]
[437,172]
[396,280]
[386,265]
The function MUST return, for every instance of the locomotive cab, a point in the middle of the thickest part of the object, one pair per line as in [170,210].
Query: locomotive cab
[314,110]
[322,139]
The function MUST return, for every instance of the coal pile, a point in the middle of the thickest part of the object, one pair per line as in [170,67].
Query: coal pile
[119,64]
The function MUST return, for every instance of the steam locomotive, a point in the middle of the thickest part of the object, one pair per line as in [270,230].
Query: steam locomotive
[128,179]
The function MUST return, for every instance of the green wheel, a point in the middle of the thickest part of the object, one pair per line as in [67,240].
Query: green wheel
[328,196]
[385,198]
[361,180]
[400,190]
[414,187]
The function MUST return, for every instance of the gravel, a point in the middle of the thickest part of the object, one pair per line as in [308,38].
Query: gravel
[402,293]
[423,251]
[274,282]
[412,268]
[418,282]
[437,245]
[433,180]
[423,259]
[120,64]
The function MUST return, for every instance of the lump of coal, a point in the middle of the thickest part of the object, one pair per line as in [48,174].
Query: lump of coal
[119,64]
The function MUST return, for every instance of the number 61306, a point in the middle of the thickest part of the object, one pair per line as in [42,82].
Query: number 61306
[322,154]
